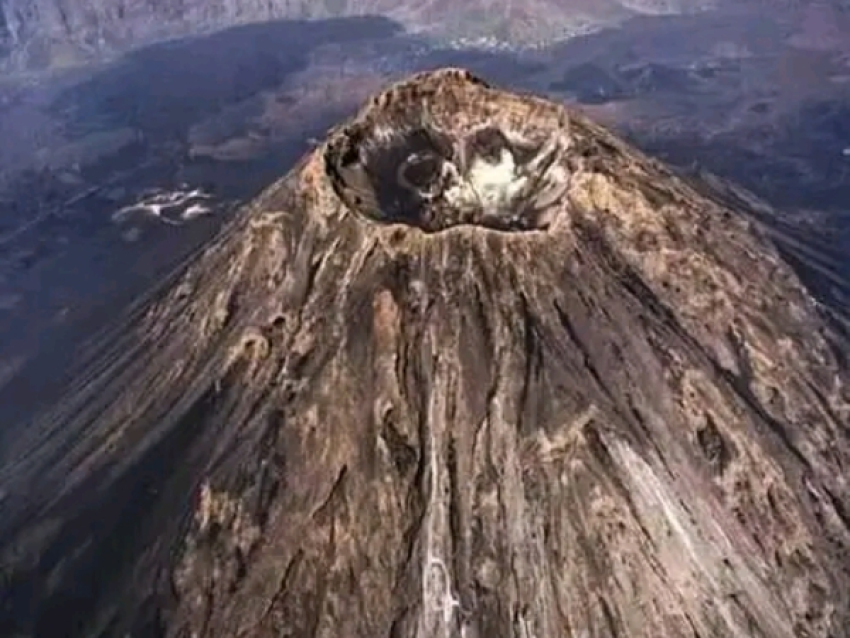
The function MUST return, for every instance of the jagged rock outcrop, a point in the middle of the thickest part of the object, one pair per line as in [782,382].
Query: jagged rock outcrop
[476,368]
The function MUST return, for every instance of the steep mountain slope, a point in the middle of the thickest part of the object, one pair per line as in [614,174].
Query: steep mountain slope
[475,368]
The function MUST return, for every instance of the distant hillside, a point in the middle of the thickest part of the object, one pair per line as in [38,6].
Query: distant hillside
[42,33]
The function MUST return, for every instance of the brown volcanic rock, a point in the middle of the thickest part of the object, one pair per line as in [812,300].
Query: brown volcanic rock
[597,405]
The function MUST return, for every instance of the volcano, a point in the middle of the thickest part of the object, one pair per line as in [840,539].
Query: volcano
[474,368]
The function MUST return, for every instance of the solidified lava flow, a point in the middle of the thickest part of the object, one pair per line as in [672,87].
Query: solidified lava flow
[474,368]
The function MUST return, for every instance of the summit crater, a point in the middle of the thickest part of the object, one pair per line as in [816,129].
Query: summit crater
[442,153]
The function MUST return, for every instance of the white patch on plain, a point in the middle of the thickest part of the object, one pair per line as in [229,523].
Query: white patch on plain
[168,207]
[195,210]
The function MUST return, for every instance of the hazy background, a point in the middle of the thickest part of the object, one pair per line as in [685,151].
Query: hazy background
[110,104]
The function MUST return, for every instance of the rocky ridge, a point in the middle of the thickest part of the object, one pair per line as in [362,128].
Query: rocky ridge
[475,367]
